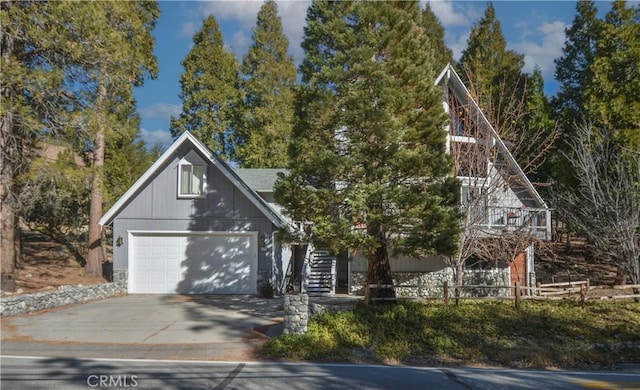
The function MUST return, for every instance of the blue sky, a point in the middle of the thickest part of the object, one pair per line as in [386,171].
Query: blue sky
[533,28]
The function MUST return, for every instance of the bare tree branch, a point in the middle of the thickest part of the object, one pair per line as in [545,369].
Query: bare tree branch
[606,201]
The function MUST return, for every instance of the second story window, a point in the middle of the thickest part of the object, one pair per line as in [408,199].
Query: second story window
[191,180]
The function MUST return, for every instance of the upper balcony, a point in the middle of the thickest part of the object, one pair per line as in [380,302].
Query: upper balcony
[536,221]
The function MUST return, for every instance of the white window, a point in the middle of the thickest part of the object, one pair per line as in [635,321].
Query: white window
[191,180]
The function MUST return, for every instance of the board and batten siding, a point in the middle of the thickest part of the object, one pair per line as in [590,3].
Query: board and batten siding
[157,207]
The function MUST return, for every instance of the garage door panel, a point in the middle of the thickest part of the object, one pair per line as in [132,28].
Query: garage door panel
[194,264]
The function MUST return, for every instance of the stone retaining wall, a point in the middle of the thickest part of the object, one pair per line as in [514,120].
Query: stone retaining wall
[429,284]
[64,295]
[298,310]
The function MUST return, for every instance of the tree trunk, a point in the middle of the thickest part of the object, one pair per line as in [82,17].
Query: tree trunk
[94,254]
[379,271]
[458,277]
[7,214]
[7,241]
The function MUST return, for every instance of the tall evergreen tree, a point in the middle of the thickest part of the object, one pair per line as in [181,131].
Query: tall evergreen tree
[493,73]
[574,67]
[613,95]
[106,70]
[127,157]
[28,78]
[210,91]
[441,52]
[368,162]
[78,64]
[269,77]
[513,101]
[574,73]
[538,130]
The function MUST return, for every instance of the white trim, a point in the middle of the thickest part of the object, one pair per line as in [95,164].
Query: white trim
[463,139]
[192,232]
[203,184]
[211,158]
[137,233]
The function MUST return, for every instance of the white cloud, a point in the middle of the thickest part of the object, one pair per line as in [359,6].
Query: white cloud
[189,29]
[457,43]
[293,14]
[160,111]
[451,13]
[239,43]
[244,12]
[157,137]
[457,18]
[541,46]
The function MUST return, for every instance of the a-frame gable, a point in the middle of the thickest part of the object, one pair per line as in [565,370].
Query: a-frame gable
[452,84]
[211,158]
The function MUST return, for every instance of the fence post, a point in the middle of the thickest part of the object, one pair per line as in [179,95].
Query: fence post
[518,296]
[539,292]
[583,294]
[446,293]
[366,292]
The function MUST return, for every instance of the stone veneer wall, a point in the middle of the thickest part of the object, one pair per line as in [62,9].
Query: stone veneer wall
[64,295]
[429,284]
[120,276]
[296,313]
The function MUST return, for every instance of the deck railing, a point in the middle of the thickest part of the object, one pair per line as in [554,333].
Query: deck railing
[537,220]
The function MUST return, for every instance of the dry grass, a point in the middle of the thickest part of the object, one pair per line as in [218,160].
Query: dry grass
[542,335]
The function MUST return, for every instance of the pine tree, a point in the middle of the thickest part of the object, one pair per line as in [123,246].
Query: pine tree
[493,73]
[127,157]
[368,163]
[442,54]
[26,80]
[538,130]
[573,68]
[108,71]
[80,62]
[269,77]
[613,95]
[513,101]
[210,91]
[574,73]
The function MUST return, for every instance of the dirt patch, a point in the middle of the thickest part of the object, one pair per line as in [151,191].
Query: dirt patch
[559,262]
[47,264]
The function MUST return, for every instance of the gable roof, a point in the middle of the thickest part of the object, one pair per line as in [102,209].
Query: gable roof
[210,157]
[449,78]
[260,179]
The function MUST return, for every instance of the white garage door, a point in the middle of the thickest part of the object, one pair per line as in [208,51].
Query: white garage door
[192,263]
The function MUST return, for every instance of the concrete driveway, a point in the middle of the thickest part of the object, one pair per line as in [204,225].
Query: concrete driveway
[149,326]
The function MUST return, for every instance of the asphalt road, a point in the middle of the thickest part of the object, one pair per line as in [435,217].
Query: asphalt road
[27,373]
